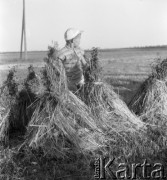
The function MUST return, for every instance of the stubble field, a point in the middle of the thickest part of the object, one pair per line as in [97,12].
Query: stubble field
[124,68]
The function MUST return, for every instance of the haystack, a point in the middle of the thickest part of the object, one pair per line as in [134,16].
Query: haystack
[150,102]
[108,106]
[151,96]
[8,93]
[61,120]
[105,104]
[15,100]
[95,120]
[126,131]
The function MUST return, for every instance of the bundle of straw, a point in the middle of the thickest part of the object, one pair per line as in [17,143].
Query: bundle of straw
[151,96]
[150,102]
[108,106]
[15,100]
[110,111]
[8,95]
[112,114]
[32,82]
[61,120]
[126,131]
[64,127]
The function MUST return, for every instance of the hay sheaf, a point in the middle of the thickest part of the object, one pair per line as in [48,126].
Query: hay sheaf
[151,96]
[61,120]
[8,93]
[152,105]
[111,113]
[99,121]
[127,131]
[15,99]
[110,109]
[150,102]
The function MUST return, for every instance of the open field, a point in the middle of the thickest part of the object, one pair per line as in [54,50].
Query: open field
[51,133]
[125,68]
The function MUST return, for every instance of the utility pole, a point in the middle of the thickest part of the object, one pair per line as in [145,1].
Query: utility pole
[23,35]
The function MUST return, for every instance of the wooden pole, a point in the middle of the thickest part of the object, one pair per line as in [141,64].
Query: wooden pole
[21,47]
[25,42]
[23,35]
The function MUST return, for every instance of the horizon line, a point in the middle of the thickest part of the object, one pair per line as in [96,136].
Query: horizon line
[134,47]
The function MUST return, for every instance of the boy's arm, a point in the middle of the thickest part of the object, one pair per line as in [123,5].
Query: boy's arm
[59,56]
[85,60]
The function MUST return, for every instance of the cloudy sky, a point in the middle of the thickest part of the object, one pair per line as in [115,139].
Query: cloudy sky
[106,23]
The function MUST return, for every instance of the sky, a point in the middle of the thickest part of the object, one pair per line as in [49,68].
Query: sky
[106,23]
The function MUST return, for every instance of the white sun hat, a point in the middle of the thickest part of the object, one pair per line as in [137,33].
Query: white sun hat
[71,33]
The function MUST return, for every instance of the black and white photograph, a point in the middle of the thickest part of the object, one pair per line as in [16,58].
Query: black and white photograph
[83,89]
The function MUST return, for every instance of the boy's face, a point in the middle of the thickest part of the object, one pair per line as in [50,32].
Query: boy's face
[77,40]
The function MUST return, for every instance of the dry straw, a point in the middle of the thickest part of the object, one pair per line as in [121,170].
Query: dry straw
[8,95]
[150,102]
[61,120]
[150,99]
[15,99]
[125,131]
[96,120]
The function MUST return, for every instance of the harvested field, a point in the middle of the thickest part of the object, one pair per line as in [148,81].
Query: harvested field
[64,132]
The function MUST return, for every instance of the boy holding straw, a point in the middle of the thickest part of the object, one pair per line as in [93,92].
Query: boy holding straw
[73,59]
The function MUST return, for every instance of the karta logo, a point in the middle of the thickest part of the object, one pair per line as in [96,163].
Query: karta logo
[145,170]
